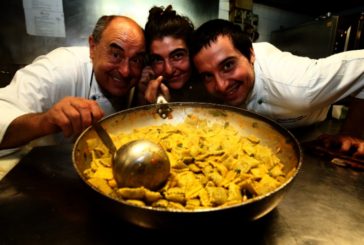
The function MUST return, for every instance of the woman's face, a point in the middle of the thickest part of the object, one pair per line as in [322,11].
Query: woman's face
[225,71]
[170,59]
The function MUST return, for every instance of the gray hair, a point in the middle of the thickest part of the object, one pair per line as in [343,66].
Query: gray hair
[101,25]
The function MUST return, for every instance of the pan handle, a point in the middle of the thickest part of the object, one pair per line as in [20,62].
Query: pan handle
[163,109]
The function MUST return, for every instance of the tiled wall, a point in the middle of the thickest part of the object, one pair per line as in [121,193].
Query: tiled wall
[270,18]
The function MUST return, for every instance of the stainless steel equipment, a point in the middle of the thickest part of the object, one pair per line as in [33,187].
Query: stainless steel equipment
[247,123]
[322,37]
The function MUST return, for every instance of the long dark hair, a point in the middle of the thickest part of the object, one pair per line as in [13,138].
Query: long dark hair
[166,22]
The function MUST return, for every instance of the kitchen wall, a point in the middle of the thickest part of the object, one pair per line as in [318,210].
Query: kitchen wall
[80,16]
[18,48]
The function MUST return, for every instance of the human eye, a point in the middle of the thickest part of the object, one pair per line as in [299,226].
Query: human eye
[228,65]
[138,60]
[206,77]
[178,55]
[115,55]
[155,60]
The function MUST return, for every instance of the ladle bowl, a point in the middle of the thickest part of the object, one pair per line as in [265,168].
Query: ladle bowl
[139,163]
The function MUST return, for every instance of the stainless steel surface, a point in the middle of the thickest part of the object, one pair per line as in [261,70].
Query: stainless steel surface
[246,123]
[43,201]
[141,163]
[162,107]
[321,37]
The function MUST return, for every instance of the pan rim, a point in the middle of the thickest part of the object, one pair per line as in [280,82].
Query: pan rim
[284,131]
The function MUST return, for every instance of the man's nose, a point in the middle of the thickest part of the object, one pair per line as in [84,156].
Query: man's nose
[221,84]
[124,68]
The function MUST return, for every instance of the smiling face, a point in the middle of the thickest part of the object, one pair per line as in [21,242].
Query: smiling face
[118,57]
[226,72]
[170,58]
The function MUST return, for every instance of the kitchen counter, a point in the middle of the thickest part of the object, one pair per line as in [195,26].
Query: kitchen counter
[10,158]
[44,201]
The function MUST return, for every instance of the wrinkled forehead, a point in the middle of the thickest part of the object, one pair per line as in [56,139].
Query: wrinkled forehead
[125,33]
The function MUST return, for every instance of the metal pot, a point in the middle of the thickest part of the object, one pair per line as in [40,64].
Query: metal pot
[248,123]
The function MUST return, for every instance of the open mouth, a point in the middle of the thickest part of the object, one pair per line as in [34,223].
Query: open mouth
[119,81]
[116,79]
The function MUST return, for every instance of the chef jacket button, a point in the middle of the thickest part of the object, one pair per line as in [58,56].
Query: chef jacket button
[94,97]
[260,101]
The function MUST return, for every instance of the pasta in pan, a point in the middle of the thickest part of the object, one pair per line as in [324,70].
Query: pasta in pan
[211,166]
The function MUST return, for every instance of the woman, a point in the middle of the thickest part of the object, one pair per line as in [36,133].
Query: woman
[170,70]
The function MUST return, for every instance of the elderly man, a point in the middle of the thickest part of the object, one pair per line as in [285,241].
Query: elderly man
[69,88]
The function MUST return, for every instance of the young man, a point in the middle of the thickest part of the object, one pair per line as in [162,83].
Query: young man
[69,88]
[294,91]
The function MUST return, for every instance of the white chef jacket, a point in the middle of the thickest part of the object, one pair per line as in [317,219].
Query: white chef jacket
[298,91]
[65,71]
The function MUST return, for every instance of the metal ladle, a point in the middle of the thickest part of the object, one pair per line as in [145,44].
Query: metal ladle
[137,163]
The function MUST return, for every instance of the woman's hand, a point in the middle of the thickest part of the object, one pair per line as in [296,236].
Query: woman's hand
[146,77]
[155,87]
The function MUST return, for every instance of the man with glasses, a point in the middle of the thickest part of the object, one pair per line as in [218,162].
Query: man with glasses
[70,88]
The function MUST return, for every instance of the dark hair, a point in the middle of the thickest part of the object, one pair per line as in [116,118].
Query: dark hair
[101,25]
[166,22]
[208,33]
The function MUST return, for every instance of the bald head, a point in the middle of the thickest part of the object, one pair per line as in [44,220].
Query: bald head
[122,21]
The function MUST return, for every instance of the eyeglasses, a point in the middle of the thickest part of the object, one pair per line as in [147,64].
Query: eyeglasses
[116,55]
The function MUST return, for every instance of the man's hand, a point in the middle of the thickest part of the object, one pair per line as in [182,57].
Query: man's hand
[72,115]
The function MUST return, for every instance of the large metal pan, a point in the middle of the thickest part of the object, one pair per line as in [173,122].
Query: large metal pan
[270,133]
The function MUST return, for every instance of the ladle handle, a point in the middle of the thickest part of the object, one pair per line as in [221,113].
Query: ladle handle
[105,137]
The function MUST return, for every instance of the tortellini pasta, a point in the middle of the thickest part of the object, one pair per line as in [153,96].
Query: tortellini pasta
[212,165]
